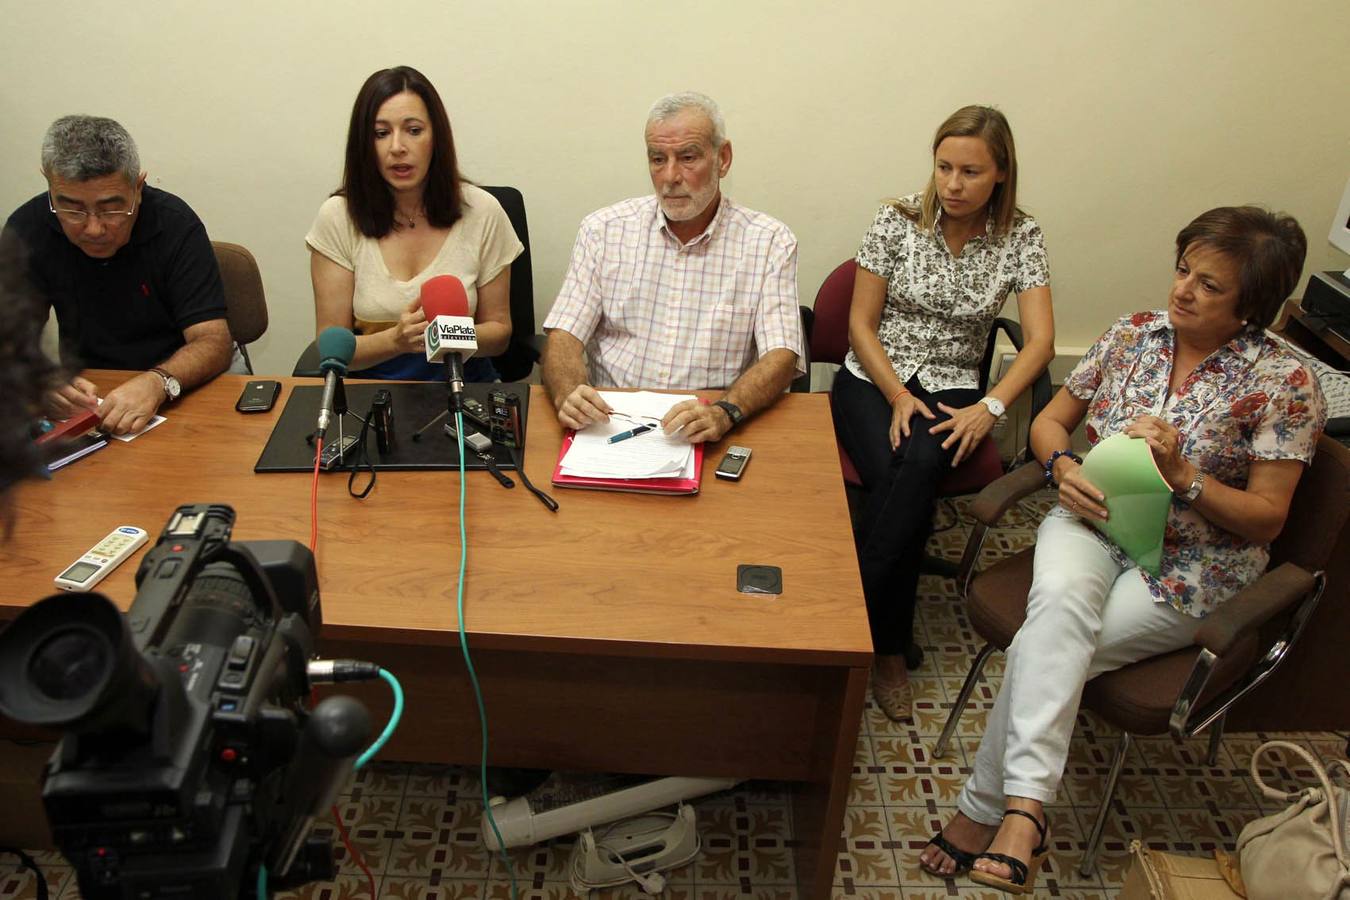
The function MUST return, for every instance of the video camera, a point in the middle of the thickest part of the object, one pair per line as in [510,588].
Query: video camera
[189,755]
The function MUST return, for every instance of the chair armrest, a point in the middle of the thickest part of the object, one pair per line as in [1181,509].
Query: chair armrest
[997,498]
[532,344]
[1041,389]
[307,366]
[1253,606]
[1012,329]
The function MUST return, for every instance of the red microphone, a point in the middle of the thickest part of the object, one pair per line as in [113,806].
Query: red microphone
[450,333]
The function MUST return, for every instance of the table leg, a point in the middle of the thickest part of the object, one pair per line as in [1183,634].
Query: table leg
[819,804]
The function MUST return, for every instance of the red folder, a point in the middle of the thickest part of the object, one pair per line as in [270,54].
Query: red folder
[634,485]
[71,428]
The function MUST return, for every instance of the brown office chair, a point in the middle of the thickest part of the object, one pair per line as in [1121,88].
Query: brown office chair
[827,338]
[1236,649]
[245,303]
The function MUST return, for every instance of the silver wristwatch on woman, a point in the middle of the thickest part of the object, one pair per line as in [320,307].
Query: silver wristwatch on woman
[1197,485]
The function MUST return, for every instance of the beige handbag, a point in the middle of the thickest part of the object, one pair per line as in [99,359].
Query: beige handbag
[1300,853]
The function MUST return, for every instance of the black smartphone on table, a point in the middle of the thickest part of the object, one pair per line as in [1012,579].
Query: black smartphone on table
[258,396]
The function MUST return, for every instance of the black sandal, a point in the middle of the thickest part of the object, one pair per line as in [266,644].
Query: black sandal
[1023,879]
[963,859]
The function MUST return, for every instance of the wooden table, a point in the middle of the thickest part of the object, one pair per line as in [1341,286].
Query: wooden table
[608,636]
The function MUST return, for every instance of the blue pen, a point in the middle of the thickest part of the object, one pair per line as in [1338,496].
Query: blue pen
[632,432]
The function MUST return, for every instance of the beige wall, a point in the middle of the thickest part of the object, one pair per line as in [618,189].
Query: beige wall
[1130,117]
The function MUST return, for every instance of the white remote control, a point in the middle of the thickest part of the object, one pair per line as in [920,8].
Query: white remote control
[105,556]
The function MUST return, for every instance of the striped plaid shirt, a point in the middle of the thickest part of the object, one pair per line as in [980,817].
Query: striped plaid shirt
[653,313]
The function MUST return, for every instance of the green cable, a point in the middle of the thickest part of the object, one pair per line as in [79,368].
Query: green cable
[364,758]
[473,676]
[394,718]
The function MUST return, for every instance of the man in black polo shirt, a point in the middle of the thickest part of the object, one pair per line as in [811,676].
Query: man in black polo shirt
[130,271]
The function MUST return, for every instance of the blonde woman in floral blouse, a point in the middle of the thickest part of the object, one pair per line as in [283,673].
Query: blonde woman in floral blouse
[933,273]
[1232,419]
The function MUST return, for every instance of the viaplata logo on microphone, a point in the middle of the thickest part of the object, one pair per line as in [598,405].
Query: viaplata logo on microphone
[451,332]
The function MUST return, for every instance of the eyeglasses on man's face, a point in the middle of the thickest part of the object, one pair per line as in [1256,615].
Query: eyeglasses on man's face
[109,217]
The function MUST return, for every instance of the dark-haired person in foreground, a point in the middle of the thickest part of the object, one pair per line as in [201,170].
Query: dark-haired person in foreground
[403,215]
[26,374]
[1232,419]
[130,271]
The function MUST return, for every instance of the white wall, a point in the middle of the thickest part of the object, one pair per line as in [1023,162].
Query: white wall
[1130,118]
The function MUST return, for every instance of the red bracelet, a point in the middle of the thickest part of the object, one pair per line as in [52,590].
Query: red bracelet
[899,393]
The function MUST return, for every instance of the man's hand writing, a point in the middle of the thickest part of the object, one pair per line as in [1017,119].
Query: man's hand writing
[129,407]
[70,399]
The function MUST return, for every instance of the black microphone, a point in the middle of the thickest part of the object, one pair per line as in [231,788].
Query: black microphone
[337,346]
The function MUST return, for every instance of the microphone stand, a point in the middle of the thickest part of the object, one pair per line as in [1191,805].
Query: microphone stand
[340,411]
[450,402]
[449,405]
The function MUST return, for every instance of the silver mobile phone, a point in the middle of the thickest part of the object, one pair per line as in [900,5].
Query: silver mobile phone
[733,463]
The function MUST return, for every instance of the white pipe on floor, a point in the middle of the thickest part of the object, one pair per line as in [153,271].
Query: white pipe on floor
[520,826]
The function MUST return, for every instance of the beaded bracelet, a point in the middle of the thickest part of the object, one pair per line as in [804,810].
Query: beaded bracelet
[1050,465]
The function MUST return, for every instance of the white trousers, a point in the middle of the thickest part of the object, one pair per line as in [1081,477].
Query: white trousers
[1085,615]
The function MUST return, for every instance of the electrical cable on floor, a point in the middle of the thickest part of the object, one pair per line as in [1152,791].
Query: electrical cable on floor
[28,863]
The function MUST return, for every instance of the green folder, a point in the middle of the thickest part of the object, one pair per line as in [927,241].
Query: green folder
[1138,498]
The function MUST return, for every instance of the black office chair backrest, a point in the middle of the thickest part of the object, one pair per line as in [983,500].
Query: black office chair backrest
[515,364]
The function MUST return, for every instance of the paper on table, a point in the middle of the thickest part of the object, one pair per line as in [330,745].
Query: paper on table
[653,454]
[1138,498]
[127,438]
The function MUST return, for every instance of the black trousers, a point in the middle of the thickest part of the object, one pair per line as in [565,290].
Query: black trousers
[902,487]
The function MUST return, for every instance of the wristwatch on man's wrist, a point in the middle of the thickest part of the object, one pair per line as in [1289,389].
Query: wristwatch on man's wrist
[173,389]
[995,406]
[732,410]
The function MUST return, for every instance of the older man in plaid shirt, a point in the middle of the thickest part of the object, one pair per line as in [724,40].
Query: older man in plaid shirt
[679,290]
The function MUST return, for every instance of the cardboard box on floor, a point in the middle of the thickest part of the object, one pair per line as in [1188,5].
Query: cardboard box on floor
[1166,876]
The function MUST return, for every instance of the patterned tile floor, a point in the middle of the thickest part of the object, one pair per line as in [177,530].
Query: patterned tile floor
[417,826]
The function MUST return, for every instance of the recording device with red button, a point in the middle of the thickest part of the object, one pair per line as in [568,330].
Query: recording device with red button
[190,753]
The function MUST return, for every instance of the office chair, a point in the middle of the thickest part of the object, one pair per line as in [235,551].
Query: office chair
[245,303]
[515,363]
[1237,648]
[828,340]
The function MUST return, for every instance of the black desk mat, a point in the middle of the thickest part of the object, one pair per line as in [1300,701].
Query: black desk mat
[414,403]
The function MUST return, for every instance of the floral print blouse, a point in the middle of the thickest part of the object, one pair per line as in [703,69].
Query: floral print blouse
[1249,400]
[939,307]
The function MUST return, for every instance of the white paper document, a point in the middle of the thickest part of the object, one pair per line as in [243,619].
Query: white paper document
[652,454]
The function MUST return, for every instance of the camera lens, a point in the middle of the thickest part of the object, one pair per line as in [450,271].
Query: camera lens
[70,664]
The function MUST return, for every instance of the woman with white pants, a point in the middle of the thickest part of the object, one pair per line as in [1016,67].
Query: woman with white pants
[1232,419]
